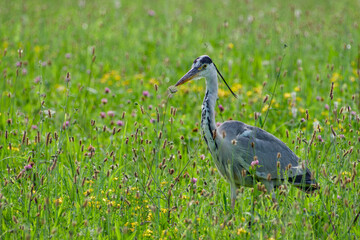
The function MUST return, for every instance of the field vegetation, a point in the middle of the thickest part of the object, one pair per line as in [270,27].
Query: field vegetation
[92,145]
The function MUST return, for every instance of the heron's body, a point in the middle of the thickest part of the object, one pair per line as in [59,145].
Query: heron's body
[234,145]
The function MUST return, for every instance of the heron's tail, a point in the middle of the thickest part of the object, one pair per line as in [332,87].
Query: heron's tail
[305,182]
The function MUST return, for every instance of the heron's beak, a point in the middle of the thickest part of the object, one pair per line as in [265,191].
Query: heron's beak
[188,76]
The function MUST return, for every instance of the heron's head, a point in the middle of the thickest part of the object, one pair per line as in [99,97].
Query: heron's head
[203,67]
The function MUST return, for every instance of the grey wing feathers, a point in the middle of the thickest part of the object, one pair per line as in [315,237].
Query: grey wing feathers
[252,141]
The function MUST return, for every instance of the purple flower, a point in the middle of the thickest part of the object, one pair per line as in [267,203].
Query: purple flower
[150,107]
[107,90]
[102,115]
[221,108]
[34,127]
[68,55]
[152,120]
[338,197]
[120,123]
[37,79]
[104,101]
[327,107]
[341,136]
[202,156]
[28,167]
[111,113]
[24,71]
[18,64]
[145,93]
[353,113]
[320,138]
[151,13]
[193,180]
[255,163]
[318,98]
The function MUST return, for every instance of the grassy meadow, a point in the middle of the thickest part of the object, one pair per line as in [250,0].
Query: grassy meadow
[93,146]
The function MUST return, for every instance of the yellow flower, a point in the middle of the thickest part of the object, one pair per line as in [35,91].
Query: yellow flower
[352,79]
[236,87]
[147,233]
[230,46]
[287,95]
[58,201]
[37,49]
[15,149]
[297,89]
[222,93]
[243,219]
[134,224]
[153,81]
[241,231]
[265,108]
[139,76]
[149,217]
[164,210]
[335,77]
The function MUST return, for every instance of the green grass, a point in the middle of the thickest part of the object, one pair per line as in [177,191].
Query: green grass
[129,175]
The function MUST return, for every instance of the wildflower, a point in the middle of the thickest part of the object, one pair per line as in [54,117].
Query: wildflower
[34,127]
[150,107]
[120,123]
[193,180]
[68,55]
[221,108]
[104,101]
[338,197]
[302,120]
[66,124]
[151,13]
[37,79]
[29,166]
[147,233]
[255,163]
[145,93]
[18,64]
[241,231]
[58,201]
[107,90]
[230,46]
[152,120]
[24,71]
[202,156]
[327,106]
[320,138]
[287,95]
[102,115]
[111,113]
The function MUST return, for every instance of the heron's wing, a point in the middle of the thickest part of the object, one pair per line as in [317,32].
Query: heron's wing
[252,141]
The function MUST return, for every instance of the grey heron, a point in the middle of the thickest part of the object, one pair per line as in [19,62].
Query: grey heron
[237,147]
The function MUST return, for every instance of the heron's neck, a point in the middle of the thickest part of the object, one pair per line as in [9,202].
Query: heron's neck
[208,110]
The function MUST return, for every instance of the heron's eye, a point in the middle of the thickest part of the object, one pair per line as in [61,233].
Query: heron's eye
[204,66]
